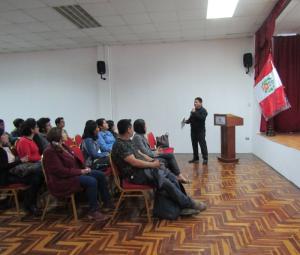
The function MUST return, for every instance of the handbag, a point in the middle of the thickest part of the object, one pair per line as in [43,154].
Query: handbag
[162,141]
[26,168]
[100,164]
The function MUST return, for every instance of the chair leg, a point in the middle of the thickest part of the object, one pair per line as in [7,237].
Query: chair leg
[117,207]
[74,208]
[46,207]
[15,194]
[147,206]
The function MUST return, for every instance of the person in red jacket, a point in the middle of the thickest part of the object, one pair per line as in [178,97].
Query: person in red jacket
[66,175]
[26,148]
[25,145]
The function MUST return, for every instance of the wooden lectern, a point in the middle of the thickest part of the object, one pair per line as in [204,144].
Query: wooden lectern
[227,123]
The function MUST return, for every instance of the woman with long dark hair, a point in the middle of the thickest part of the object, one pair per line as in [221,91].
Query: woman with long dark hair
[94,158]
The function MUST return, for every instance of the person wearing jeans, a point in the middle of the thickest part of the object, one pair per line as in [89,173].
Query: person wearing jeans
[138,168]
[67,175]
[91,149]
[94,183]
[35,180]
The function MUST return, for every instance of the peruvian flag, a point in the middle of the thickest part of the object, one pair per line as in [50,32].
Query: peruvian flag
[270,91]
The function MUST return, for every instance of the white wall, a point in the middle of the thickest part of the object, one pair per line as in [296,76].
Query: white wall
[158,82]
[50,84]
[282,158]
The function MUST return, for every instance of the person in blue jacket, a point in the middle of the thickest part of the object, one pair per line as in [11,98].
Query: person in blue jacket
[94,157]
[105,138]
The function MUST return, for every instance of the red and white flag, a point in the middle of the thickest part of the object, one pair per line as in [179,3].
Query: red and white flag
[269,91]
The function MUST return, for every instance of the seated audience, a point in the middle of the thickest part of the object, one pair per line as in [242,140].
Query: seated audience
[141,143]
[26,145]
[41,138]
[91,149]
[112,128]
[44,125]
[60,123]
[9,174]
[105,138]
[66,175]
[16,133]
[138,168]
[2,126]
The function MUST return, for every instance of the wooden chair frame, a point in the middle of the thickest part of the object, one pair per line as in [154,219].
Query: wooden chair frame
[72,197]
[13,192]
[128,192]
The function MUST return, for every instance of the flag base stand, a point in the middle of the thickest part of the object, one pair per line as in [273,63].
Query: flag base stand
[270,128]
[228,160]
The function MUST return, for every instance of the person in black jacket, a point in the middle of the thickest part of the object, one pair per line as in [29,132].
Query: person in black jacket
[8,161]
[197,122]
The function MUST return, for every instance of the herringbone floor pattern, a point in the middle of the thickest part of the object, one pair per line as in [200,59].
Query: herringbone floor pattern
[251,210]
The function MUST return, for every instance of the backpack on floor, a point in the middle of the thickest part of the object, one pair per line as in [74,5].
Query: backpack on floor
[165,207]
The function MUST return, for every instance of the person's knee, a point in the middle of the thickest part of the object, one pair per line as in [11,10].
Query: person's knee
[88,182]
[171,176]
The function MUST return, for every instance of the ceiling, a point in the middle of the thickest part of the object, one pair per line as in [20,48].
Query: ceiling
[33,25]
[289,19]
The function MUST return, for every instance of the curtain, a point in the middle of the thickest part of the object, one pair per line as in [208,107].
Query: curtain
[286,53]
[263,43]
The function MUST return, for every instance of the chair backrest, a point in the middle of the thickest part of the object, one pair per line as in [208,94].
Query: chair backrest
[69,142]
[116,174]
[77,151]
[78,140]
[151,140]
[44,172]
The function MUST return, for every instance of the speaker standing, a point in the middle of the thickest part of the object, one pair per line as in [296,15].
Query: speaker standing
[197,122]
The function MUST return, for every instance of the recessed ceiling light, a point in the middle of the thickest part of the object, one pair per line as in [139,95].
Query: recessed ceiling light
[286,34]
[221,8]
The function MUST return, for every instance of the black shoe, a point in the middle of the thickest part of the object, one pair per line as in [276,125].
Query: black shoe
[193,161]
[33,210]
[188,212]
[200,206]
[204,162]
[108,207]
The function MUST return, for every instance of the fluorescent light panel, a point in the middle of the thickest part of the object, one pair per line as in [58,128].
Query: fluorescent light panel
[286,34]
[221,8]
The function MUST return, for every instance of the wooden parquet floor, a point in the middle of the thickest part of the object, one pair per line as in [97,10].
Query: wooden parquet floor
[251,210]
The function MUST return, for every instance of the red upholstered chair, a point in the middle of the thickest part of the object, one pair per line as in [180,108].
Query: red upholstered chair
[69,142]
[108,172]
[151,141]
[76,150]
[12,190]
[128,189]
[78,140]
[152,144]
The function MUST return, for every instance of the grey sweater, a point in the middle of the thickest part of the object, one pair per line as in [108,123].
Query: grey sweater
[142,144]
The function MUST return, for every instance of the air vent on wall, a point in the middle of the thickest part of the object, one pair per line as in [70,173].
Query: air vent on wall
[78,16]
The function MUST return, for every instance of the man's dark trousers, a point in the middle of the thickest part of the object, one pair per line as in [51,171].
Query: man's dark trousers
[199,137]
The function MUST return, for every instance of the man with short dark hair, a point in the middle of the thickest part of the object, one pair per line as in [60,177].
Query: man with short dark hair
[60,123]
[17,131]
[138,168]
[197,122]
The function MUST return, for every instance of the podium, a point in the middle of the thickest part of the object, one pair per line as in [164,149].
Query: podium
[228,123]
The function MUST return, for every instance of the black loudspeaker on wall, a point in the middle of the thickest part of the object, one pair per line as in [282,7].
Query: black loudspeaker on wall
[248,61]
[101,69]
